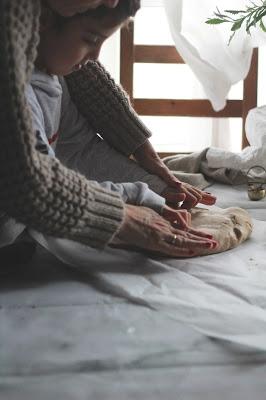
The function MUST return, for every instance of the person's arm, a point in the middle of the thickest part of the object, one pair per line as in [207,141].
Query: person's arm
[107,108]
[137,194]
[176,191]
[36,189]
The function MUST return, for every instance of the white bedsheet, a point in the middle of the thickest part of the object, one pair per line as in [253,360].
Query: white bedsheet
[133,327]
[222,296]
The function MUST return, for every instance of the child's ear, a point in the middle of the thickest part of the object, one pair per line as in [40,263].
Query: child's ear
[47,19]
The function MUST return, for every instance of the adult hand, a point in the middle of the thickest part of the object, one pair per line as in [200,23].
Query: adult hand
[68,8]
[144,228]
[187,193]
[176,191]
[179,218]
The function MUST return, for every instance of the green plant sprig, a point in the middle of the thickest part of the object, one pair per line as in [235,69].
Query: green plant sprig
[250,17]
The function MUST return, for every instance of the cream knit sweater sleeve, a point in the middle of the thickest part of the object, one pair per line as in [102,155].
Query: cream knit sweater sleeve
[106,106]
[36,189]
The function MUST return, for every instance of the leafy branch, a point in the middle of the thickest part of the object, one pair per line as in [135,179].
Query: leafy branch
[250,17]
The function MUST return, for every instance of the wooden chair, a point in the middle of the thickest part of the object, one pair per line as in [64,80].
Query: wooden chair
[131,53]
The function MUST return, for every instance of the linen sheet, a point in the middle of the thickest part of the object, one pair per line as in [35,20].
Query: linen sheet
[81,333]
[222,296]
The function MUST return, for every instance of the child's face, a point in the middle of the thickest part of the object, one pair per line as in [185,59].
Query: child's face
[68,48]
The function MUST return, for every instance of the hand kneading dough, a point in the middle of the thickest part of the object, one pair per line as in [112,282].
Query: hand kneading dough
[230,226]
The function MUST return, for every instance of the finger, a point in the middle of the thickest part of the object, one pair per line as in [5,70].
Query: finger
[174,251]
[181,218]
[202,197]
[200,233]
[190,202]
[174,197]
[166,248]
[184,219]
[184,238]
[189,241]
[184,192]
[186,216]
[206,242]
[193,194]
[208,199]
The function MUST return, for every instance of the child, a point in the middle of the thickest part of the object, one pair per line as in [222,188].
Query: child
[66,44]
[38,190]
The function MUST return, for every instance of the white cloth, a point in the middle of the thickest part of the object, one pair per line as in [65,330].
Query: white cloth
[205,48]
[222,296]
[256,126]
[249,157]
[255,154]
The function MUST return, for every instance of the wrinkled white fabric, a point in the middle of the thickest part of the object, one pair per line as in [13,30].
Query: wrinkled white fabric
[247,158]
[255,154]
[205,48]
[256,127]
[222,296]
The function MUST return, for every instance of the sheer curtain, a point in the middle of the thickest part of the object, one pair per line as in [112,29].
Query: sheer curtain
[213,69]
[205,48]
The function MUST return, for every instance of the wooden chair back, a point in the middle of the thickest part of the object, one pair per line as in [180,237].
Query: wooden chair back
[131,53]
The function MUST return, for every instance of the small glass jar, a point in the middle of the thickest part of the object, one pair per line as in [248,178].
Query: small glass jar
[256,179]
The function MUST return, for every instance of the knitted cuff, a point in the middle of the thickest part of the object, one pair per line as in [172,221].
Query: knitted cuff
[103,221]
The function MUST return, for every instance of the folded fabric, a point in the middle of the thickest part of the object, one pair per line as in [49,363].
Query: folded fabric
[197,163]
[247,158]
[256,126]
[255,154]
[186,167]
[197,180]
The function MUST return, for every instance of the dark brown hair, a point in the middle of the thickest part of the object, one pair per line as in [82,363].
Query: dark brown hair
[121,13]
[124,10]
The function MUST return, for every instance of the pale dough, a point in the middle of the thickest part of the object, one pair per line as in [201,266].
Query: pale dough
[230,226]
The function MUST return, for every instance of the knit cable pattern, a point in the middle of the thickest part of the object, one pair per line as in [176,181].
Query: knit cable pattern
[35,189]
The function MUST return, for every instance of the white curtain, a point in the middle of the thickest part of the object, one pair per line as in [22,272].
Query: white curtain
[205,48]
[215,64]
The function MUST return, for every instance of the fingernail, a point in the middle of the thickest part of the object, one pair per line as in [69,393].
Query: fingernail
[209,236]
[211,244]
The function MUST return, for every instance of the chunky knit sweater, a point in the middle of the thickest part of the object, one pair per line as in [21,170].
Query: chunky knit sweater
[38,190]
